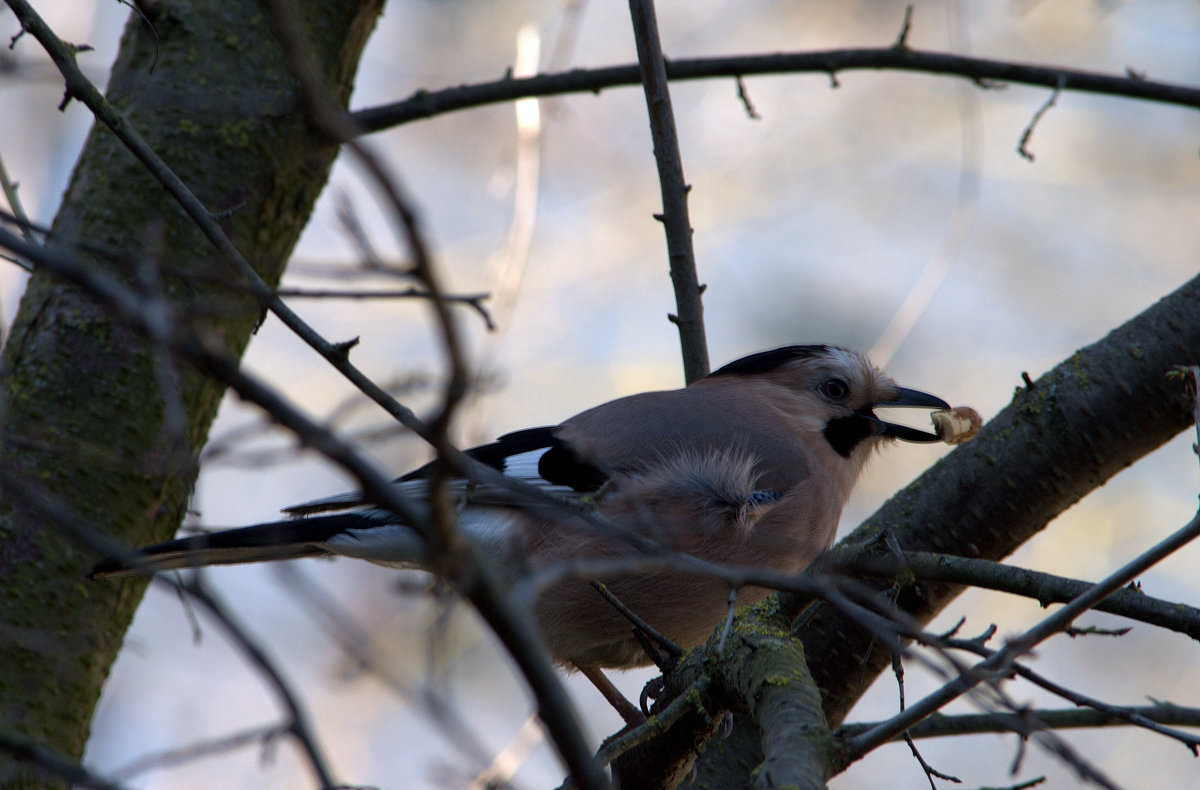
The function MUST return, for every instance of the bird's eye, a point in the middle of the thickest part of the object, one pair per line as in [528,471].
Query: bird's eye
[835,389]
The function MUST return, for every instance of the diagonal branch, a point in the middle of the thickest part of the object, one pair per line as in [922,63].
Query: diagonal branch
[1000,661]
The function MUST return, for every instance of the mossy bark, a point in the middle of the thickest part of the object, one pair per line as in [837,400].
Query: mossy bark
[84,399]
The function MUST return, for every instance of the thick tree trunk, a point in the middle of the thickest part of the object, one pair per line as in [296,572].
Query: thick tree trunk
[93,416]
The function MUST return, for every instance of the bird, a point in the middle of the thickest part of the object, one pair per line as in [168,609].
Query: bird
[749,466]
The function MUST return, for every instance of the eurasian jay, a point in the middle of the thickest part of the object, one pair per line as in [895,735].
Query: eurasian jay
[748,466]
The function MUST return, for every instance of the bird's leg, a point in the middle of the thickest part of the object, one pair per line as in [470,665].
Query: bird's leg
[651,691]
[627,710]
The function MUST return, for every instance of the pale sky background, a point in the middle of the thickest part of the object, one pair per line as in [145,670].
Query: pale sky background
[811,225]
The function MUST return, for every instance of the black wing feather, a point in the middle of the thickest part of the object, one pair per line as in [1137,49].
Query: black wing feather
[560,464]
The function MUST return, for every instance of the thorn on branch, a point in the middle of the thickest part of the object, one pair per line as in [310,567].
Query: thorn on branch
[226,213]
[745,97]
[659,218]
[1139,76]
[1022,146]
[1029,385]
[833,80]
[902,40]
[343,349]
[953,631]
[674,319]
[989,85]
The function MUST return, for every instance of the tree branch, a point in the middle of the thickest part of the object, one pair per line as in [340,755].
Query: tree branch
[985,72]
[689,315]
[941,725]
[1001,660]
[866,559]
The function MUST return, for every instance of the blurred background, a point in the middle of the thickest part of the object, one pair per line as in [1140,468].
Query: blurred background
[890,214]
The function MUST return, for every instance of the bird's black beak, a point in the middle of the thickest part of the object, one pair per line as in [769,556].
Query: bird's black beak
[907,397]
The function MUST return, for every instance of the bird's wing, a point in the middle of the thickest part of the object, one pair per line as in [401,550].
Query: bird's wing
[534,456]
[347,524]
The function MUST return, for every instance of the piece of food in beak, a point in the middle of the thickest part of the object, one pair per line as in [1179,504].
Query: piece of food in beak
[957,425]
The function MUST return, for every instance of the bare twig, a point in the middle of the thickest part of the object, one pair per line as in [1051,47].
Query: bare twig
[356,642]
[1022,146]
[1045,588]
[474,301]
[689,316]
[745,98]
[51,763]
[60,513]
[664,643]
[80,88]
[1002,660]
[297,720]
[941,725]
[981,71]
[450,549]
[905,29]
[194,751]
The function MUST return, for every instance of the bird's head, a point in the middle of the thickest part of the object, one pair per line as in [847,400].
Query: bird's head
[834,391]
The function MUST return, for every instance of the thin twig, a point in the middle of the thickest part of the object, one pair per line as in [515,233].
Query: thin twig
[1022,148]
[941,725]
[474,301]
[450,548]
[59,513]
[980,71]
[661,721]
[1002,660]
[1045,588]
[297,720]
[664,642]
[80,88]
[689,316]
[194,751]
[50,763]
[745,99]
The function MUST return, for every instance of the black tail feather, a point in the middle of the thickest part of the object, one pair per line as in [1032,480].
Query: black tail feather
[276,540]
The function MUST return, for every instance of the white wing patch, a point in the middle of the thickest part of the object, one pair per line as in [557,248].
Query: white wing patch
[397,546]
[524,466]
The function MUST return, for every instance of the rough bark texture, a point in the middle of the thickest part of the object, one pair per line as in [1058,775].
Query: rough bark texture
[759,671]
[83,408]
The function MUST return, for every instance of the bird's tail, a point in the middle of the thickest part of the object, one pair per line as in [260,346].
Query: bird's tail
[277,540]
